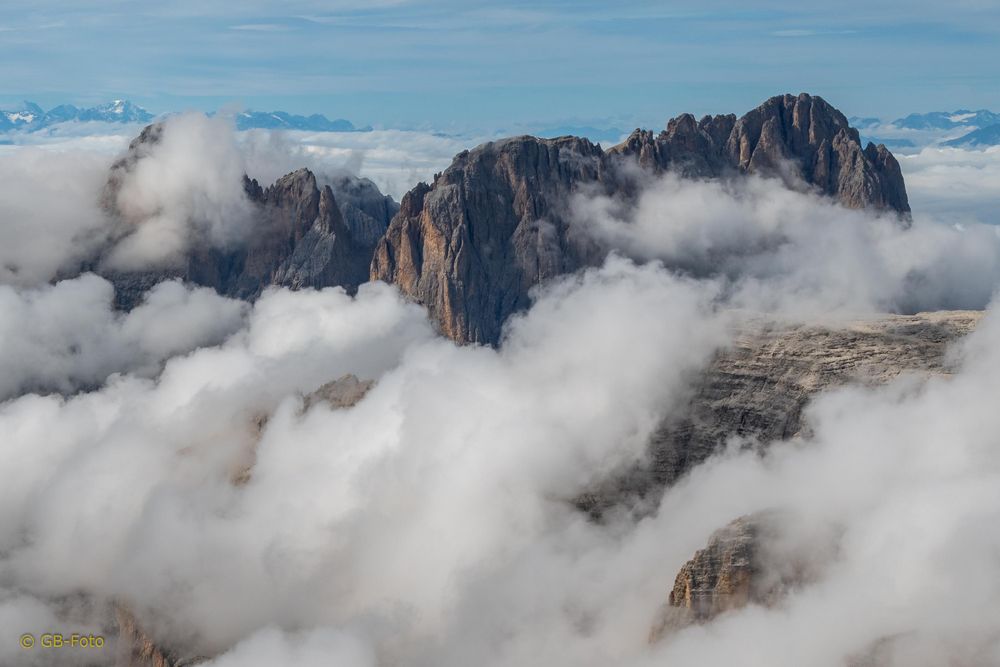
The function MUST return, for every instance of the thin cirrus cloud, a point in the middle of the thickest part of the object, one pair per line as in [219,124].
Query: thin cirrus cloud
[802,32]
[261,27]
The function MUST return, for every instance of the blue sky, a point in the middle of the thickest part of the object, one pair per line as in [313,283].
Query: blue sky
[472,64]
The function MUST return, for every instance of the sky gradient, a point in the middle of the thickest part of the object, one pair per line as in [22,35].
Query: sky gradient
[460,65]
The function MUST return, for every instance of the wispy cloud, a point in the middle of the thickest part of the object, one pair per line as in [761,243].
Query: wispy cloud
[804,32]
[793,33]
[262,27]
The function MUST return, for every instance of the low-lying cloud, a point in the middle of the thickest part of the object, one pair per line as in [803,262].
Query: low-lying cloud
[49,211]
[166,460]
[909,473]
[484,449]
[186,191]
[69,336]
[797,254]
[954,185]
[185,188]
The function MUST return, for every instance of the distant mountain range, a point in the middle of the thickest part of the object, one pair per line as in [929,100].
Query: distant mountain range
[608,136]
[279,120]
[986,136]
[962,128]
[32,118]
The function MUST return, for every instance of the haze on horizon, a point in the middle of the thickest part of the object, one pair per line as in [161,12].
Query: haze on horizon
[450,64]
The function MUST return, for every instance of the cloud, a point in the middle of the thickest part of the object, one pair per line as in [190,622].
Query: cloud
[262,27]
[50,213]
[317,648]
[954,185]
[346,492]
[185,188]
[179,470]
[395,160]
[793,253]
[69,336]
[803,32]
[908,473]
[793,32]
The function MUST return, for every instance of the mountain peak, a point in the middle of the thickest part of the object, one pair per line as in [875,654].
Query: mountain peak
[32,117]
[280,120]
[494,224]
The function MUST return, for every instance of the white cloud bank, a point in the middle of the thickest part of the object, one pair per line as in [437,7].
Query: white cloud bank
[186,189]
[69,336]
[910,474]
[793,253]
[443,491]
[430,524]
[954,185]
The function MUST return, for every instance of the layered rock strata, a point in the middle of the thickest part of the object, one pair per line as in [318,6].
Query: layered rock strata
[757,390]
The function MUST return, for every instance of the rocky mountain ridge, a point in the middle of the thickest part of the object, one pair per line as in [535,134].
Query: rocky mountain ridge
[495,223]
[304,234]
[758,389]
[281,120]
[471,245]
[962,128]
[31,117]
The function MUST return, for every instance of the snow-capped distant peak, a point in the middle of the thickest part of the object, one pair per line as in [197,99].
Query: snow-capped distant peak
[32,117]
[959,117]
[20,116]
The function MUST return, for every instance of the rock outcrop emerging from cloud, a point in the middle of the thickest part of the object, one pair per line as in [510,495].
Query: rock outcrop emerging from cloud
[495,223]
[295,233]
[757,391]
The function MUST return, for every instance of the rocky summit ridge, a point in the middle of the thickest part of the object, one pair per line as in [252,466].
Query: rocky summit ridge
[471,245]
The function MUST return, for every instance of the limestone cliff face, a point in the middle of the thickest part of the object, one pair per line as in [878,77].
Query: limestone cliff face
[365,209]
[817,141]
[757,559]
[301,234]
[723,576]
[134,648]
[802,139]
[492,226]
[759,387]
[301,239]
[470,245]
[758,390]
